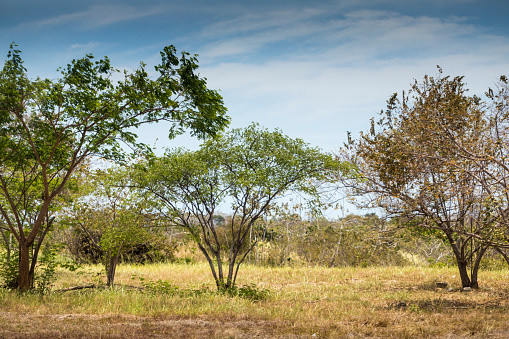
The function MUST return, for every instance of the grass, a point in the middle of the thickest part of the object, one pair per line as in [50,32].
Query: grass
[304,301]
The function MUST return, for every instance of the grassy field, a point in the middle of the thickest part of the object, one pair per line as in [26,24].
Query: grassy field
[304,303]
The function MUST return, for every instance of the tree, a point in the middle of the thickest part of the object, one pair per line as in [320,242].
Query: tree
[115,213]
[493,159]
[48,128]
[250,167]
[489,167]
[412,169]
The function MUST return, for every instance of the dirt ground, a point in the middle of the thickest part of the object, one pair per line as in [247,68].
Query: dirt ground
[128,326]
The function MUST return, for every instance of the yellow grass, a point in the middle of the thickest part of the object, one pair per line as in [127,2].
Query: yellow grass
[338,302]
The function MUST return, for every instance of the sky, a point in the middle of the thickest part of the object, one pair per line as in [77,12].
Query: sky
[314,69]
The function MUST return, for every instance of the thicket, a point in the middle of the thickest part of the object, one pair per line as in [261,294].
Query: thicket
[354,240]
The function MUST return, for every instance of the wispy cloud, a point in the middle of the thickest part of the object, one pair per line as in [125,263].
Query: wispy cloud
[337,70]
[350,36]
[254,31]
[85,47]
[252,22]
[98,16]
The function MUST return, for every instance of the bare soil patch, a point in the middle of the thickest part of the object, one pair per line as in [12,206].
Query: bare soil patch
[129,326]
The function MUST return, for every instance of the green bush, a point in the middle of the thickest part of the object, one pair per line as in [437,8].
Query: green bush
[250,292]
[9,269]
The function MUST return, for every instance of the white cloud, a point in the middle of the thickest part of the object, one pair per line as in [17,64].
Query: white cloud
[85,47]
[363,34]
[98,16]
[356,37]
[261,21]
[321,102]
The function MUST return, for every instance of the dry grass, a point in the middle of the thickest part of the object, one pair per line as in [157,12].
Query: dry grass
[346,302]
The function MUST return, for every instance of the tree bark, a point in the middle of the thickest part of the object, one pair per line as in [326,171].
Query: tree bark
[24,281]
[230,282]
[475,269]
[37,248]
[218,279]
[462,267]
[503,254]
[112,266]
[220,269]
[461,261]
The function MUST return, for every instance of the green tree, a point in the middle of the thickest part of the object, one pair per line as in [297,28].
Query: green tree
[113,211]
[250,167]
[48,128]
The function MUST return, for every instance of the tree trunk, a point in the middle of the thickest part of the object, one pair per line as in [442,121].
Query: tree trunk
[460,259]
[220,272]
[503,254]
[36,250]
[112,266]
[475,268]
[230,282]
[241,261]
[462,267]
[25,281]
[218,279]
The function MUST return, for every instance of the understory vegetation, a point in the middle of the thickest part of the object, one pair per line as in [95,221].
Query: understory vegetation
[352,241]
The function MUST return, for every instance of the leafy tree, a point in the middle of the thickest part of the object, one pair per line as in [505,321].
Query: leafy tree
[250,167]
[490,160]
[411,168]
[48,128]
[114,218]
[489,166]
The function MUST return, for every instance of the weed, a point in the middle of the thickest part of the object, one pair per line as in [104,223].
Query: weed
[185,260]
[159,287]
[250,292]
[164,287]
[414,308]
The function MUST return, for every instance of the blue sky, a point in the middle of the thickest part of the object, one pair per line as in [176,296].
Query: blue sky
[315,69]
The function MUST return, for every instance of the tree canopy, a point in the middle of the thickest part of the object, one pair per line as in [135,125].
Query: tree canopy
[49,127]
[410,165]
[250,168]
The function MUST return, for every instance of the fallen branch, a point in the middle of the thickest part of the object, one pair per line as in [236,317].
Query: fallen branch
[96,286]
[76,288]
